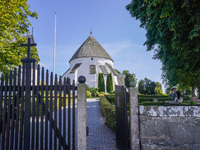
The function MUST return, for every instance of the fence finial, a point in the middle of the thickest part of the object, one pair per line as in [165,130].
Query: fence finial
[132,84]
[81,79]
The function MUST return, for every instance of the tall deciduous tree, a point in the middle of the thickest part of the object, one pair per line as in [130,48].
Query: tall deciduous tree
[173,31]
[129,78]
[141,87]
[14,23]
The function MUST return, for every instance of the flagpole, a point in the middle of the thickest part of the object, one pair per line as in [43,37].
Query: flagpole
[54,50]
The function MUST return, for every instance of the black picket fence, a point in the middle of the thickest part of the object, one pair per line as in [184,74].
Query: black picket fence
[36,113]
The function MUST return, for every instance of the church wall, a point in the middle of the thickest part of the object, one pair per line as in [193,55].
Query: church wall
[84,69]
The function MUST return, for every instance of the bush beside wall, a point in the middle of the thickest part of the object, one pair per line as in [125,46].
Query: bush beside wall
[108,112]
[101,84]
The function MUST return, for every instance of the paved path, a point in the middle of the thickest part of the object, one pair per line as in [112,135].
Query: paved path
[100,136]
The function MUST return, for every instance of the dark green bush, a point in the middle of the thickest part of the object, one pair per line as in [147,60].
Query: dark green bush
[152,103]
[110,98]
[112,92]
[188,102]
[109,83]
[101,84]
[108,112]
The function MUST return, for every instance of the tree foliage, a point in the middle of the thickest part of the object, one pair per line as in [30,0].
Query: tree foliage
[109,83]
[129,78]
[158,88]
[149,87]
[101,84]
[141,87]
[14,23]
[173,31]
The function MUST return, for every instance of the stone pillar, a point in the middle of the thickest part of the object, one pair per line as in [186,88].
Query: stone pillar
[81,114]
[134,121]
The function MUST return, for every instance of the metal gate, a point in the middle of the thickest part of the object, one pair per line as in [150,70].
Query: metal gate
[122,135]
[33,109]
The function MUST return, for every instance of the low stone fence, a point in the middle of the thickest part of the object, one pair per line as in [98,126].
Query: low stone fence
[169,127]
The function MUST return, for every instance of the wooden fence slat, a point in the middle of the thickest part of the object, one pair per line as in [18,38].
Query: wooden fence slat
[64,111]
[17,113]
[60,119]
[1,102]
[69,115]
[55,112]
[37,107]
[4,113]
[42,110]
[22,110]
[51,111]
[73,122]
[8,113]
[46,110]
[33,110]
[13,110]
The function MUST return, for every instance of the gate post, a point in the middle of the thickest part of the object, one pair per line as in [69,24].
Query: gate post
[134,121]
[27,62]
[81,114]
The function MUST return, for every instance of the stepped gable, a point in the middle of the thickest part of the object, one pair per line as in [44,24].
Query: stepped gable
[91,48]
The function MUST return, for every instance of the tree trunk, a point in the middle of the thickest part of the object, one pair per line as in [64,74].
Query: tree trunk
[193,91]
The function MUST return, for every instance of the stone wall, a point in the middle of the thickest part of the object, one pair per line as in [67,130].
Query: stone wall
[169,127]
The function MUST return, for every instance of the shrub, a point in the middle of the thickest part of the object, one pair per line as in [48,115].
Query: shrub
[112,92]
[94,91]
[110,98]
[109,83]
[101,84]
[88,94]
[108,112]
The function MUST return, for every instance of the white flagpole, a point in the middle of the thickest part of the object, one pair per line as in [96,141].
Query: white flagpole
[54,50]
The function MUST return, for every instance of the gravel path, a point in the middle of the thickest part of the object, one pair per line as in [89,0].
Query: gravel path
[100,136]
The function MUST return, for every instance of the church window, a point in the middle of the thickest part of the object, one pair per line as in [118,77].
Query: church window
[92,69]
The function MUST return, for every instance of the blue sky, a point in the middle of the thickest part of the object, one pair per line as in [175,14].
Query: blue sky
[111,24]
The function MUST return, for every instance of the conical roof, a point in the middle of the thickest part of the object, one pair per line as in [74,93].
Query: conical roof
[91,48]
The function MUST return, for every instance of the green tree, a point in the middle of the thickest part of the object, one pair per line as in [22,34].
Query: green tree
[14,23]
[129,77]
[101,84]
[173,31]
[141,87]
[109,83]
[158,88]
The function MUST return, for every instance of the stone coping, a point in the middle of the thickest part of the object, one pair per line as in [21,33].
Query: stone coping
[167,111]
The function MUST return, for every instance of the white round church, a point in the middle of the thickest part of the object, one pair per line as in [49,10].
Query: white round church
[89,60]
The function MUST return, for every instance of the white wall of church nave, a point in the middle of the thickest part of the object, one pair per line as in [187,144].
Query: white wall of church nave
[89,61]
[84,69]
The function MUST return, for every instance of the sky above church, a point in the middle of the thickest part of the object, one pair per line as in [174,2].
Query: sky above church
[111,24]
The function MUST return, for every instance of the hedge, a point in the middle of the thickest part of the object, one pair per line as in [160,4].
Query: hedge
[108,112]
[110,98]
